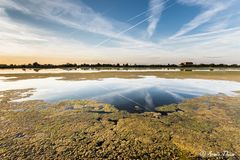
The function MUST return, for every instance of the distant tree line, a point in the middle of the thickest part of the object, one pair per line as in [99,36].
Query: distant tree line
[99,65]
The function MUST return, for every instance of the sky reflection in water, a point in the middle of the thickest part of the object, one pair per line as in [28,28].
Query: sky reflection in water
[127,94]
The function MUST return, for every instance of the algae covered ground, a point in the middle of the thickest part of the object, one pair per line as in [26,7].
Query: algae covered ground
[205,127]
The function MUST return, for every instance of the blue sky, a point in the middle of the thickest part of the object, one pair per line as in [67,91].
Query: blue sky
[120,31]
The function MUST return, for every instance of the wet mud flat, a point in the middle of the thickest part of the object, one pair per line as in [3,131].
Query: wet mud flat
[204,127]
[214,75]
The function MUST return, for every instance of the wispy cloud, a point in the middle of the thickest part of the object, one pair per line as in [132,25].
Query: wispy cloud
[198,47]
[18,33]
[67,13]
[11,4]
[156,7]
[18,39]
[211,9]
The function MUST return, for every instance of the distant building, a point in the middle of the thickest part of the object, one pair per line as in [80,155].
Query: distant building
[186,64]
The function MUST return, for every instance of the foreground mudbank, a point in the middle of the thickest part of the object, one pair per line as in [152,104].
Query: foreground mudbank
[205,127]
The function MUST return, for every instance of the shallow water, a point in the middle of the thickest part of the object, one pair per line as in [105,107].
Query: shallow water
[94,70]
[142,94]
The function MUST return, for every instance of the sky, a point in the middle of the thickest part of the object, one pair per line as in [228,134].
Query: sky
[119,31]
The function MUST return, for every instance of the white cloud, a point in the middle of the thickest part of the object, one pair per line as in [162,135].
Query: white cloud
[156,7]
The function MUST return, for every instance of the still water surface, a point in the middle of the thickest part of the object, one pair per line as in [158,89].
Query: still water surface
[142,94]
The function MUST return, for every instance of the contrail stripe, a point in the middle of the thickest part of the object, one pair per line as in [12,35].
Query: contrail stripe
[124,31]
[130,28]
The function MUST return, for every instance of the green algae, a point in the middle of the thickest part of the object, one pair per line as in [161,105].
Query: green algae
[82,129]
